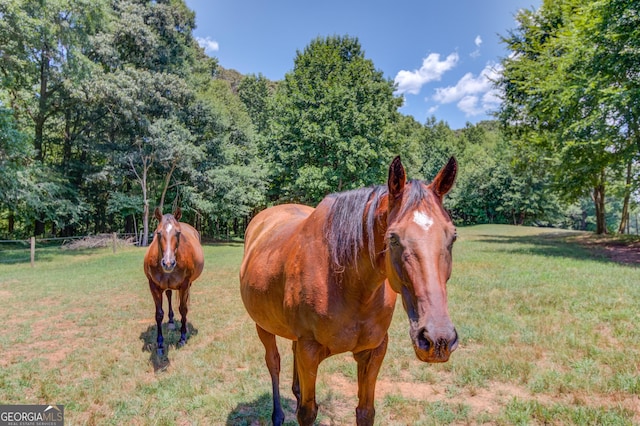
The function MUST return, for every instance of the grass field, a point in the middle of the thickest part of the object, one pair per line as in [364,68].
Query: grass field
[549,332]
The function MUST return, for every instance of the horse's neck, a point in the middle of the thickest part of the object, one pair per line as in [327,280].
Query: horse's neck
[371,266]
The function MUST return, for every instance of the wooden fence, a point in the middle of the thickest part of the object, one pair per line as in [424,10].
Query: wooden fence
[31,243]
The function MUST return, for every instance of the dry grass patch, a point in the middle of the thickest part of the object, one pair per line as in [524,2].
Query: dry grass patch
[548,336]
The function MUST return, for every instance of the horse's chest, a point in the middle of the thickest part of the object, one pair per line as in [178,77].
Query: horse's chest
[353,336]
[172,281]
[354,331]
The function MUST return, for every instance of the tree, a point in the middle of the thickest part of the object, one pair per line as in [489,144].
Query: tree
[232,182]
[15,153]
[43,60]
[499,182]
[570,88]
[147,95]
[330,115]
[254,92]
[44,46]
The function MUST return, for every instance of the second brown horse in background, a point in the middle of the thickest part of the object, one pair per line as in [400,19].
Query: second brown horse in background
[173,261]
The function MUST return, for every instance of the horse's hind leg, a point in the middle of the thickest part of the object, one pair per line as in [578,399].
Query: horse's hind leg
[184,308]
[171,324]
[369,363]
[156,293]
[272,358]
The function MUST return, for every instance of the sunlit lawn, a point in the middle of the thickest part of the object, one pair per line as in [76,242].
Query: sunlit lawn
[549,334]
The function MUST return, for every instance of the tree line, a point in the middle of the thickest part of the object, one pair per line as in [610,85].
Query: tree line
[110,108]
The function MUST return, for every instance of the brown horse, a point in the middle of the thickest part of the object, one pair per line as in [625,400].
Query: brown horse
[327,279]
[173,261]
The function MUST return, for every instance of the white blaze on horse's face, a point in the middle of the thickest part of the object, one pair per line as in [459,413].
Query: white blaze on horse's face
[422,220]
[168,247]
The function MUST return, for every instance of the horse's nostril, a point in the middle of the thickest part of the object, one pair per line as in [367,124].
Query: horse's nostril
[453,344]
[424,342]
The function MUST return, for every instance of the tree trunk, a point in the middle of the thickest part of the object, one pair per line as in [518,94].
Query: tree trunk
[66,147]
[145,211]
[41,115]
[624,221]
[167,181]
[11,223]
[598,198]
[39,119]
[142,179]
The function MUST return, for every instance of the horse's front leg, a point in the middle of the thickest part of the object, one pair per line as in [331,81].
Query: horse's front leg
[272,358]
[308,354]
[295,386]
[369,363]
[184,308]
[171,323]
[156,293]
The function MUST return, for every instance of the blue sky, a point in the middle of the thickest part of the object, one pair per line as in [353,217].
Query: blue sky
[440,53]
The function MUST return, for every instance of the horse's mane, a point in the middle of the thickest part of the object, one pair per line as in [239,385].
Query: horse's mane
[346,227]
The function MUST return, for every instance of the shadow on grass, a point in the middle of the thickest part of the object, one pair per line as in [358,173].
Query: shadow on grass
[556,244]
[259,412]
[171,339]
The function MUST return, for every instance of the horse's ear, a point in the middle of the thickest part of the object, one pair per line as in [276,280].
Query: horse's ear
[177,213]
[158,214]
[397,180]
[445,178]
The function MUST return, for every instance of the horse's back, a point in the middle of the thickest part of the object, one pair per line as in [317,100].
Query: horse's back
[197,254]
[270,229]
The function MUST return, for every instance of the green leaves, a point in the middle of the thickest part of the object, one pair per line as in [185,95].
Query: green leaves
[330,118]
[570,78]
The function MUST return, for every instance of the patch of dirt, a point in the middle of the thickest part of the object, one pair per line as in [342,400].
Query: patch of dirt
[620,249]
[46,342]
[490,399]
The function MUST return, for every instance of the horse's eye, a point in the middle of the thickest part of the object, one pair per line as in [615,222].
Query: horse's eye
[394,241]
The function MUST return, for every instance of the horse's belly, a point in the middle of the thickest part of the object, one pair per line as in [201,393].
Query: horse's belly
[265,307]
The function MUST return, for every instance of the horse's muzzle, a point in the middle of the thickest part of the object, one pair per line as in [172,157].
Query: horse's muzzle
[436,349]
[168,266]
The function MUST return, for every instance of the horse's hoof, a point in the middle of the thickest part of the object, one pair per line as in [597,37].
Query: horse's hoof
[171,326]
[160,352]
[181,343]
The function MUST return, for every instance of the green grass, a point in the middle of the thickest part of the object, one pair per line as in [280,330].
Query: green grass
[549,334]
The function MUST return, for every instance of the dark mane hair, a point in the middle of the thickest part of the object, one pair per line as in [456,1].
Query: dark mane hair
[346,227]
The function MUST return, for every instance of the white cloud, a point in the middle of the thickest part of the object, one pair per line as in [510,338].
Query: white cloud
[474,95]
[208,44]
[469,105]
[477,42]
[432,69]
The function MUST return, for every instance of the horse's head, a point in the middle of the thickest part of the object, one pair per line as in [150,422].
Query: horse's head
[419,239]
[168,236]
